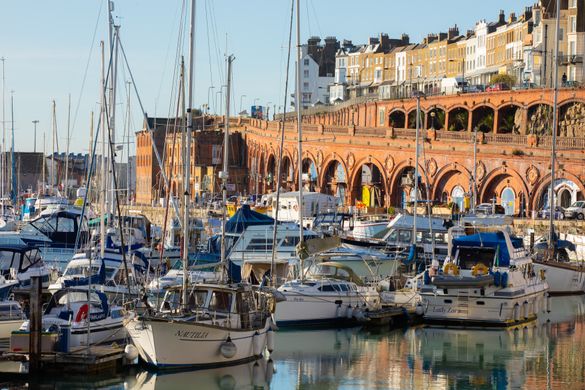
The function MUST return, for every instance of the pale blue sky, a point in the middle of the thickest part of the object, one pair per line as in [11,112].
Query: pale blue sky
[47,45]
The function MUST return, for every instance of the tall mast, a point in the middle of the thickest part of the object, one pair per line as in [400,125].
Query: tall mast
[128,145]
[299,107]
[43,181]
[53,176]
[66,184]
[13,189]
[3,146]
[187,185]
[103,162]
[90,150]
[415,202]
[225,174]
[551,231]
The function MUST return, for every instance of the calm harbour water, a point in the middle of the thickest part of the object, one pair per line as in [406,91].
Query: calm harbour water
[549,354]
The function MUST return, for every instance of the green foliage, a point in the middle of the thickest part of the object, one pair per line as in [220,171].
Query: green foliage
[507,124]
[391,210]
[459,121]
[486,123]
[412,119]
[517,152]
[507,79]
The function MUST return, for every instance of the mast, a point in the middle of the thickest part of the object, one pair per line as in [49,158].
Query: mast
[53,176]
[415,202]
[224,174]
[14,190]
[103,162]
[128,146]
[3,146]
[187,185]
[66,184]
[551,232]
[90,151]
[42,191]
[299,107]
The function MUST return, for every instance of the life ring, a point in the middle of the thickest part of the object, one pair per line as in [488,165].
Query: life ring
[82,313]
[542,276]
[451,269]
[296,207]
[479,269]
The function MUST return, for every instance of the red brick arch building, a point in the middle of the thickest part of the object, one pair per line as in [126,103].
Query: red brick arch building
[372,144]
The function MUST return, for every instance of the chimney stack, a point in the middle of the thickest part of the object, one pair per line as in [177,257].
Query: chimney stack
[453,32]
[502,17]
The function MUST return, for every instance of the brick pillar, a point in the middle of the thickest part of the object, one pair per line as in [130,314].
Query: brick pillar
[470,121]
[496,119]
[524,121]
[426,120]
[446,125]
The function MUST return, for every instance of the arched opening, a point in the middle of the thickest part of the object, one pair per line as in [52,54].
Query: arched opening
[403,188]
[509,119]
[572,120]
[287,173]
[508,201]
[436,119]
[539,119]
[458,197]
[412,119]
[271,174]
[397,119]
[458,119]
[566,192]
[368,186]
[444,187]
[483,119]
[335,181]
[309,175]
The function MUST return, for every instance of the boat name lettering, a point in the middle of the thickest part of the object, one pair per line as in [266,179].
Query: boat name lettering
[191,335]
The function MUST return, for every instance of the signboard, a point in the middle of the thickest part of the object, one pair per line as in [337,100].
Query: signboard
[216,154]
[257,112]
[230,187]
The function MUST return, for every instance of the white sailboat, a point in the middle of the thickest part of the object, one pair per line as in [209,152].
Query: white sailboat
[205,324]
[563,277]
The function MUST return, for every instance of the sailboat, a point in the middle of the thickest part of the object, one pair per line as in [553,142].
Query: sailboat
[563,277]
[207,324]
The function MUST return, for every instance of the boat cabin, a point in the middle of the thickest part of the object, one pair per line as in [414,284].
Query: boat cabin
[18,259]
[60,227]
[75,305]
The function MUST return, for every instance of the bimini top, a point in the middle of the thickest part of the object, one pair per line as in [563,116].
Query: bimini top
[495,240]
[245,217]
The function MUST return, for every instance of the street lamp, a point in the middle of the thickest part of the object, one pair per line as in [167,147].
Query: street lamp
[267,110]
[208,91]
[241,97]
[35,138]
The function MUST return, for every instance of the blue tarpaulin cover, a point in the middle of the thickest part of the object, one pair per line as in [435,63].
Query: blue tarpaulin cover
[489,240]
[245,217]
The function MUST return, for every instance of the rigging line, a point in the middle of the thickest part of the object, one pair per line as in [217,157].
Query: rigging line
[308,17]
[150,132]
[208,44]
[218,56]
[280,151]
[87,63]
[316,15]
[179,43]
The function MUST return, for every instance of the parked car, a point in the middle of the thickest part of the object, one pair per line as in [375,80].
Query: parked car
[489,209]
[545,213]
[498,87]
[475,88]
[576,210]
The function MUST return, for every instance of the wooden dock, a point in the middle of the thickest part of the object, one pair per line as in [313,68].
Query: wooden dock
[80,360]
[392,317]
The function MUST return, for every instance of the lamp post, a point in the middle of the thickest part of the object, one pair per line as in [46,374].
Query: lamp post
[208,91]
[35,122]
[241,98]
[267,110]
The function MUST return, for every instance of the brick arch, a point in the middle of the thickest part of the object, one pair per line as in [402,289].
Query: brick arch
[394,180]
[327,162]
[356,172]
[483,103]
[396,111]
[479,117]
[446,177]
[497,180]
[544,182]
[571,100]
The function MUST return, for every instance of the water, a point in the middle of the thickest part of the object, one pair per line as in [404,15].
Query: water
[549,354]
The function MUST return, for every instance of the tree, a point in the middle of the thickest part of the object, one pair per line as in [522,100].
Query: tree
[507,79]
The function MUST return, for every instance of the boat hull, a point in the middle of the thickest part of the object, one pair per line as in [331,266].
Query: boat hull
[562,278]
[166,344]
[469,308]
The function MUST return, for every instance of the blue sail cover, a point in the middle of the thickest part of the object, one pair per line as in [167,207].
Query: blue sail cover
[495,240]
[245,217]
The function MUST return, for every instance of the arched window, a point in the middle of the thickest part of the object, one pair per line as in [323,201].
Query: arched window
[457,196]
[508,201]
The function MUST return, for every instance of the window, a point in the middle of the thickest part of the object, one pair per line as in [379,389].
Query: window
[305,85]
[573,4]
[573,24]
[65,225]
[306,62]
[220,301]
[327,288]
[306,73]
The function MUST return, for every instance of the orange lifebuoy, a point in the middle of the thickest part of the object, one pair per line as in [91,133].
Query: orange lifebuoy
[82,313]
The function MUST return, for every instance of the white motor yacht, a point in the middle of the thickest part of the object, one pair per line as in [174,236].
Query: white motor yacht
[491,281]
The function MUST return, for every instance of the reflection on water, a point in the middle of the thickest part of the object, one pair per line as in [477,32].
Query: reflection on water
[548,354]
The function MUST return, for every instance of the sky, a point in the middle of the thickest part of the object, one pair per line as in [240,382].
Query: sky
[52,51]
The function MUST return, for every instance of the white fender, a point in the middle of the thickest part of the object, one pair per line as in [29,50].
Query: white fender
[130,352]
[270,340]
[338,311]
[257,376]
[228,349]
[349,312]
[419,309]
[525,310]
[516,312]
[547,302]
[257,343]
